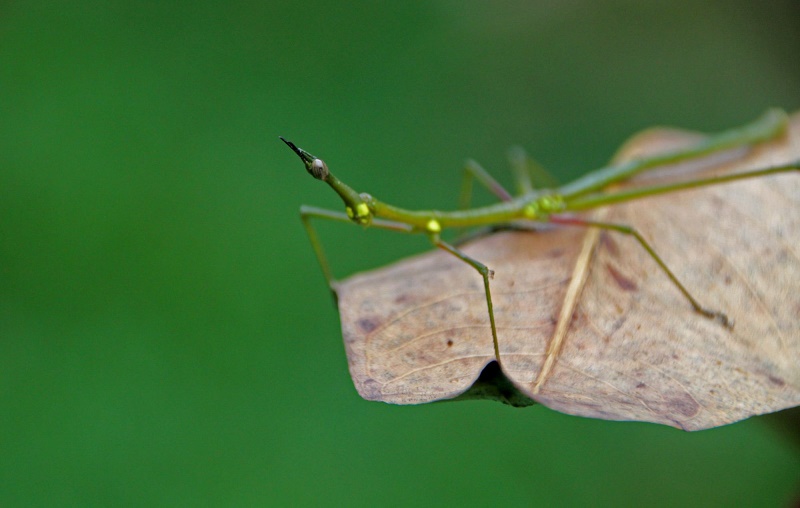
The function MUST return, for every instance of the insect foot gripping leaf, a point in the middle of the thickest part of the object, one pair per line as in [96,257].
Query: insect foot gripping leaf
[587,323]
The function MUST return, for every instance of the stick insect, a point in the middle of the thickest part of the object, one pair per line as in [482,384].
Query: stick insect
[553,206]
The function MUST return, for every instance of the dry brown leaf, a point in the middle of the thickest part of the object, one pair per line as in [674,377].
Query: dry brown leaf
[630,346]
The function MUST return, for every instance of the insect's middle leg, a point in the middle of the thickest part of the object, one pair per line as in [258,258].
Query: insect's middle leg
[528,173]
[473,170]
[630,231]
[486,273]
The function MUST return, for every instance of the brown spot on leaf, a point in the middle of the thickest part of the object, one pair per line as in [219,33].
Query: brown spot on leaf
[449,342]
[370,389]
[640,385]
[622,281]
[402,298]
[367,324]
[608,243]
[777,381]
[685,405]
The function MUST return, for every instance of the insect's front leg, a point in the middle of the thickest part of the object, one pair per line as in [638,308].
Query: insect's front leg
[310,212]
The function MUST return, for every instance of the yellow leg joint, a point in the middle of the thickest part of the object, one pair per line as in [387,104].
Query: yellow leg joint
[433,226]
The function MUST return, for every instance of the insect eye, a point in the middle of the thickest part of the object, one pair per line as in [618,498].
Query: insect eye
[319,169]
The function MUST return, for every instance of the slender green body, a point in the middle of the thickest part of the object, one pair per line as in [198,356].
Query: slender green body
[539,204]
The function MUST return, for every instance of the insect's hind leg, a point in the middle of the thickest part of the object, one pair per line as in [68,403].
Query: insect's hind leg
[486,273]
[630,231]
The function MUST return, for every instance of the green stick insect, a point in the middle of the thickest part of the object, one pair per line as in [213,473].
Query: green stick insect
[539,205]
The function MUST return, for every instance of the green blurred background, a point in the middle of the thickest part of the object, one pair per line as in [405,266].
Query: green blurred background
[166,337]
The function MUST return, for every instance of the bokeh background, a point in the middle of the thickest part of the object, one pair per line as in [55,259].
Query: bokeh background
[166,337]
